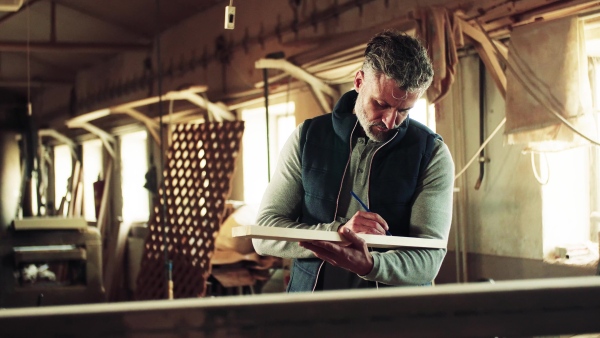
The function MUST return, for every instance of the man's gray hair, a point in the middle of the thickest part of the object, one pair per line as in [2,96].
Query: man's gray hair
[400,57]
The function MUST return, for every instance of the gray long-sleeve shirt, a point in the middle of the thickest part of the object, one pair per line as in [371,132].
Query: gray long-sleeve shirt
[430,217]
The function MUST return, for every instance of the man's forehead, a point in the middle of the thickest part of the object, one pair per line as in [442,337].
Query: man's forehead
[388,91]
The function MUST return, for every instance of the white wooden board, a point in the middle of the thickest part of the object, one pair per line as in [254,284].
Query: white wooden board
[296,235]
[50,223]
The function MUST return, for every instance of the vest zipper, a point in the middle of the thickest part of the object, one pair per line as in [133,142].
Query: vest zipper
[337,202]
[370,165]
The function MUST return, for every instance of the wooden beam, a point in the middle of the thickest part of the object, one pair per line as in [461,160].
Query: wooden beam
[487,54]
[107,139]
[11,14]
[298,73]
[33,84]
[114,260]
[558,10]
[220,112]
[71,5]
[499,20]
[318,86]
[74,182]
[150,124]
[103,212]
[72,47]
[512,8]
[61,137]
[520,308]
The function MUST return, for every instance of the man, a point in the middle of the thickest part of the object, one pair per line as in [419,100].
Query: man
[402,170]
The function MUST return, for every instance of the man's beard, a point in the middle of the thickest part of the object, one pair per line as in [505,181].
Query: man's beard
[372,128]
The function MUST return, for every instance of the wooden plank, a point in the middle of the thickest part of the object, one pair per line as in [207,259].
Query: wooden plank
[557,11]
[74,181]
[526,308]
[114,261]
[50,223]
[487,53]
[518,14]
[48,253]
[511,8]
[102,213]
[296,235]
[78,202]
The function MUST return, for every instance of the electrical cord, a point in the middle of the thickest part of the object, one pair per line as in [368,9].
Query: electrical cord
[534,169]
[476,156]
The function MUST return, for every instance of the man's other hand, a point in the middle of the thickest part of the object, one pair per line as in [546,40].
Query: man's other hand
[352,255]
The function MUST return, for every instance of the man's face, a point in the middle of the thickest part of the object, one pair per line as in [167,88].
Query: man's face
[381,106]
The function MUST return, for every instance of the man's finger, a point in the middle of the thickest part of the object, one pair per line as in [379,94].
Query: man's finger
[353,238]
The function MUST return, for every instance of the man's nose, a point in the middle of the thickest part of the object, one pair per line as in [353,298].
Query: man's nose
[389,118]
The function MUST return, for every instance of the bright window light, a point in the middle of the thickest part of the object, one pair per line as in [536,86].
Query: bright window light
[282,123]
[424,113]
[63,166]
[92,170]
[134,165]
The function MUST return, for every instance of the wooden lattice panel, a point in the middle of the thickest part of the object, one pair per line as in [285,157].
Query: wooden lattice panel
[197,176]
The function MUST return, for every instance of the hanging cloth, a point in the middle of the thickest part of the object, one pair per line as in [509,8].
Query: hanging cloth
[550,77]
[442,38]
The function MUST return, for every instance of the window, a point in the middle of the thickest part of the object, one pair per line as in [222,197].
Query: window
[282,123]
[424,113]
[92,171]
[63,167]
[572,222]
[594,153]
[134,165]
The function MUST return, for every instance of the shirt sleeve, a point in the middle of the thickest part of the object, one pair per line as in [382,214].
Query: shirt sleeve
[431,217]
[281,204]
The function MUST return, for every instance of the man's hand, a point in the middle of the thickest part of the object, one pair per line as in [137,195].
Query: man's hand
[353,255]
[364,222]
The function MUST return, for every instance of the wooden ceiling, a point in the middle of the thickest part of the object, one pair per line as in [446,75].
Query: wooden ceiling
[46,42]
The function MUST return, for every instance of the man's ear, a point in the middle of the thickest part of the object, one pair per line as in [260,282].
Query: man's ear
[359,79]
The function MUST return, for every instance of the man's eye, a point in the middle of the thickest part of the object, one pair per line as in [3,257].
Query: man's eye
[380,104]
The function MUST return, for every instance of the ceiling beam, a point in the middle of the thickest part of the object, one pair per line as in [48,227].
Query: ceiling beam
[319,86]
[486,51]
[11,14]
[34,83]
[72,47]
[109,21]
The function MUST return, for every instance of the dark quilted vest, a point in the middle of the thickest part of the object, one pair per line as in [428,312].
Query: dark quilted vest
[395,170]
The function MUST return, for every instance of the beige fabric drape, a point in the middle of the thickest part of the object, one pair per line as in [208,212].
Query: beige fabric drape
[549,58]
[442,37]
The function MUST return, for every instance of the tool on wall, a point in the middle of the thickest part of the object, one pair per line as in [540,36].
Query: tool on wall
[230,16]
[29,149]
[482,158]
[274,55]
